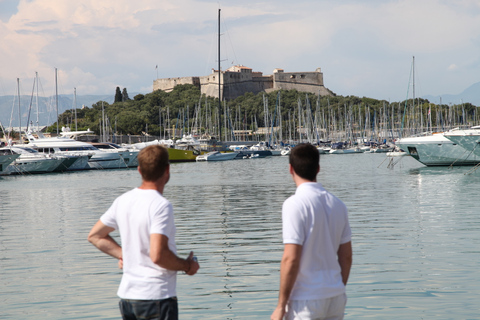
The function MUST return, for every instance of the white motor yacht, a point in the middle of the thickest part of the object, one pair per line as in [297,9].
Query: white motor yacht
[469,139]
[6,158]
[129,155]
[436,150]
[346,151]
[93,158]
[217,156]
[140,145]
[32,161]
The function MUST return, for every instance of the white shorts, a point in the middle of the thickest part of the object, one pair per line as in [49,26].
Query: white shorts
[323,309]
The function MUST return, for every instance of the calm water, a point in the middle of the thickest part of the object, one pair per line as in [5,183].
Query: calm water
[416,239]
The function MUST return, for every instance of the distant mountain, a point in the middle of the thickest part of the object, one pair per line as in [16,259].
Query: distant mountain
[471,94]
[46,105]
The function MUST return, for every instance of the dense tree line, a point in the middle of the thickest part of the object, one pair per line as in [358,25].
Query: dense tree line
[186,107]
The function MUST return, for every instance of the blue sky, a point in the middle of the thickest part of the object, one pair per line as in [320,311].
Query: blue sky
[364,48]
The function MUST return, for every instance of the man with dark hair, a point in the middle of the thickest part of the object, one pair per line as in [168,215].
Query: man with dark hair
[145,221]
[317,253]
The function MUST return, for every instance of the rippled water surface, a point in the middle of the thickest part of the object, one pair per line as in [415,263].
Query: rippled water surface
[416,239]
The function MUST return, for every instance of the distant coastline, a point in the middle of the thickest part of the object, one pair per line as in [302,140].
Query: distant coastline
[47,112]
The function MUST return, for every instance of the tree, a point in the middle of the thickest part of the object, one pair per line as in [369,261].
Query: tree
[125,95]
[118,95]
[139,97]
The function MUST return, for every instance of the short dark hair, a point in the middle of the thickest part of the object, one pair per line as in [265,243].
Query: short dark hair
[305,161]
[153,161]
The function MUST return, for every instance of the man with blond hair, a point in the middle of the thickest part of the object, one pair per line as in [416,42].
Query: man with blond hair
[317,254]
[145,221]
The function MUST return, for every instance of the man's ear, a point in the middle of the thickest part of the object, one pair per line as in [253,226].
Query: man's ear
[290,169]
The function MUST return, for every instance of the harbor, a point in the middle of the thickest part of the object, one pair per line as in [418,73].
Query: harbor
[414,238]
[77,151]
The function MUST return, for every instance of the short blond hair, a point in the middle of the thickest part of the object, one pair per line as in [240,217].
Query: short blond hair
[153,161]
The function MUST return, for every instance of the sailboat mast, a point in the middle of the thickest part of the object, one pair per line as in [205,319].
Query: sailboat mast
[219,72]
[415,124]
[36,99]
[56,97]
[75,106]
[19,112]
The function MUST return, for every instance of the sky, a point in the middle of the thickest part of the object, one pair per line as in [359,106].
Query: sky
[364,48]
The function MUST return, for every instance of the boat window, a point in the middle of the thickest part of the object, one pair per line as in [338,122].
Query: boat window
[82,148]
[412,151]
[4,152]
[104,146]
[46,150]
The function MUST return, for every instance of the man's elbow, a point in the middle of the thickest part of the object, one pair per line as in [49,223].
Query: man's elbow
[92,239]
[157,259]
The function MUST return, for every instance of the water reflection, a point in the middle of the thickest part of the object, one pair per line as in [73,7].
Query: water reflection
[415,238]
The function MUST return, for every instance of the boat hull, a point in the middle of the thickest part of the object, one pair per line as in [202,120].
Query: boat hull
[6,160]
[436,150]
[252,154]
[32,165]
[217,156]
[178,155]
[468,139]
[106,160]
[346,151]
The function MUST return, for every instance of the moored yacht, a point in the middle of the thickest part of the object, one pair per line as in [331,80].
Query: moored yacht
[6,157]
[217,156]
[32,161]
[129,155]
[469,139]
[89,156]
[186,149]
[436,150]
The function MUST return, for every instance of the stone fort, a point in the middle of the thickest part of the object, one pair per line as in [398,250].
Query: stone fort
[238,80]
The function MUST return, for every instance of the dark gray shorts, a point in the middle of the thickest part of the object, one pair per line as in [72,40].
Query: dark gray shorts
[165,309]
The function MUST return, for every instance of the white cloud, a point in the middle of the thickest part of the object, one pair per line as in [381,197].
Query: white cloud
[364,48]
[452,67]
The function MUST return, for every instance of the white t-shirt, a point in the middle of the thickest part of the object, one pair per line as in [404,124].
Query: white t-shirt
[318,221]
[136,214]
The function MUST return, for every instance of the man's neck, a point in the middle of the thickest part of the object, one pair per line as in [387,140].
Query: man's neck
[298,180]
[151,185]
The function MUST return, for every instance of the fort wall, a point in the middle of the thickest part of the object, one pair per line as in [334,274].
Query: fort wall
[238,80]
[167,84]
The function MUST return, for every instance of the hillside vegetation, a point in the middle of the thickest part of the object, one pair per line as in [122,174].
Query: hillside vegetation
[186,108]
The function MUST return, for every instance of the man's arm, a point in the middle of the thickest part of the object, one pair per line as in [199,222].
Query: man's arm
[100,237]
[161,255]
[344,254]
[288,274]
